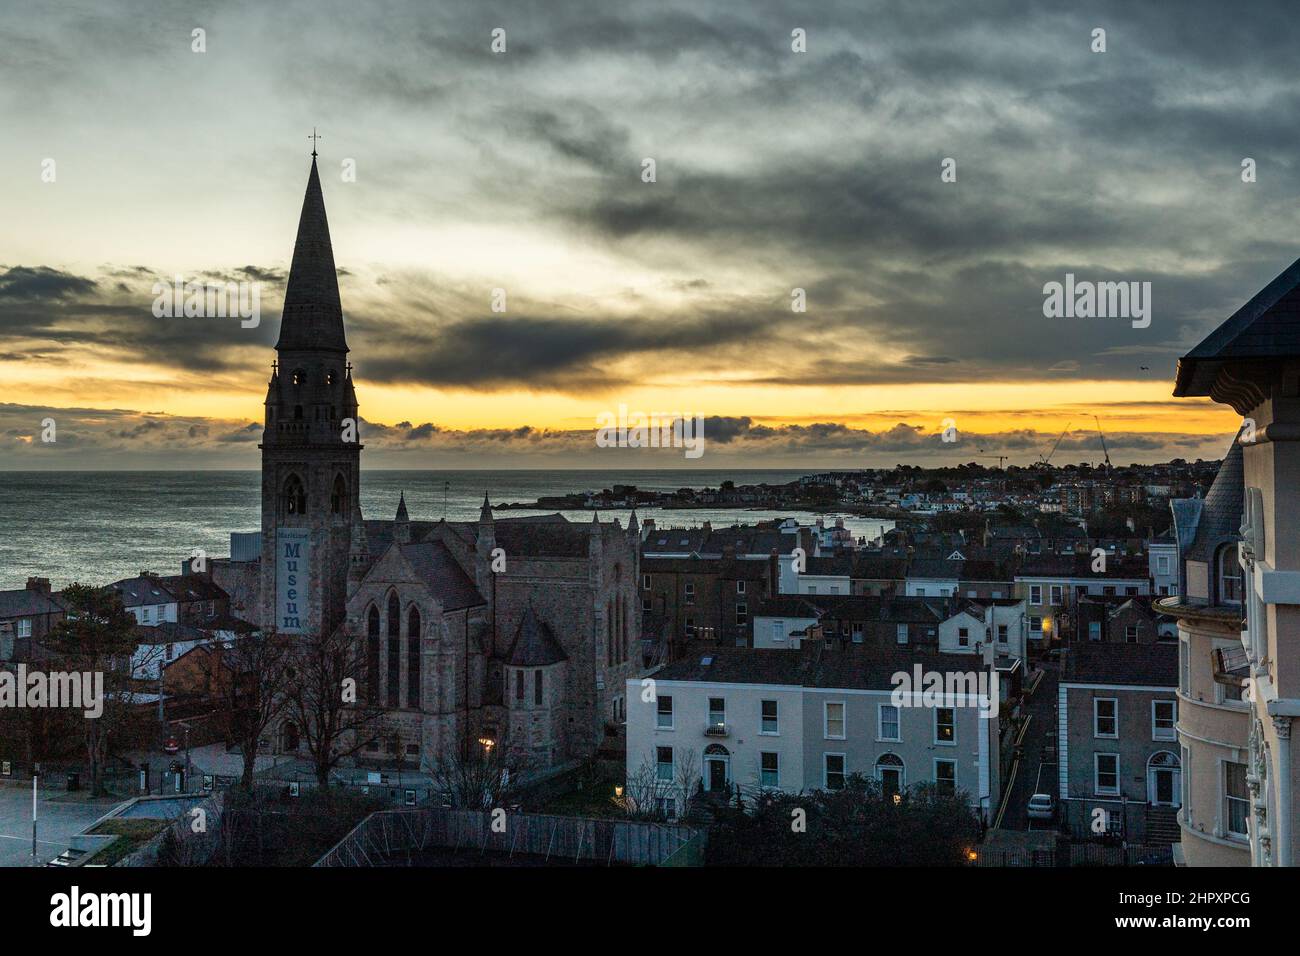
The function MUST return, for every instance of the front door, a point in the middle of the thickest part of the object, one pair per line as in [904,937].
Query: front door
[1164,786]
[717,775]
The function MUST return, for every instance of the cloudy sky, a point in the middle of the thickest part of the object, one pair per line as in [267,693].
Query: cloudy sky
[522,171]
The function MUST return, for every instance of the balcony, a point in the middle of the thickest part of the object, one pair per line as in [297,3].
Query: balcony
[1231,666]
[716,729]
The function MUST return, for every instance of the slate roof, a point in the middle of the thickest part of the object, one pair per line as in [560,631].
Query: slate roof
[1221,514]
[26,602]
[139,591]
[313,316]
[168,632]
[193,587]
[443,575]
[535,644]
[935,568]
[552,539]
[1153,665]
[879,567]
[844,666]
[1266,327]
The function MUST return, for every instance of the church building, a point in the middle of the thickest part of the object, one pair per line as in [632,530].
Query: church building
[520,633]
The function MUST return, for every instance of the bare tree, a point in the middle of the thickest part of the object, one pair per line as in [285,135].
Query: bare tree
[323,681]
[97,637]
[485,779]
[687,777]
[248,677]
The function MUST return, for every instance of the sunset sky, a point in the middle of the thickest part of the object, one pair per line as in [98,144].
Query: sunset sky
[521,171]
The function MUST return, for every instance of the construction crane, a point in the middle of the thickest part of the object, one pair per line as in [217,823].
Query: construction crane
[1002,459]
[1104,450]
[1046,459]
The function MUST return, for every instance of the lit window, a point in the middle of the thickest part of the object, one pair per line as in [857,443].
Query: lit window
[945,728]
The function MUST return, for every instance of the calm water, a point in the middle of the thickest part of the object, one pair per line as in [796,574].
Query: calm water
[100,526]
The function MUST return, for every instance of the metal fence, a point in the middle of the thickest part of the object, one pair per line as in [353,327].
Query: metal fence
[388,837]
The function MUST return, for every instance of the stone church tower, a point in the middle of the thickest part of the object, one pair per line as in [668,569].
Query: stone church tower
[311,458]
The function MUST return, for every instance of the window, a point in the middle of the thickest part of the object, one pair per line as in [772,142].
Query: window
[740,587]
[833,771]
[945,726]
[1184,669]
[769,769]
[645,582]
[1105,717]
[24,627]
[857,633]
[1108,590]
[834,720]
[667,807]
[1035,594]
[1230,588]
[394,652]
[148,614]
[645,604]
[902,634]
[945,776]
[1002,633]
[664,764]
[1131,590]
[1105,773]
[1036,625]
[664,716]
[519,686]
[295,496]
[1130,633]
[889,771]
[1058,596]
[413,658]
[1094,630]
[769,717]
[537,687]
[372,655]
[742,614]
[963,637]
[339,497]
[889,722]
[1236,798]
[717,712]
[690,592]
[1164,718]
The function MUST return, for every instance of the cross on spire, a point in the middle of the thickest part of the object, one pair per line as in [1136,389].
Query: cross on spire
[313,137]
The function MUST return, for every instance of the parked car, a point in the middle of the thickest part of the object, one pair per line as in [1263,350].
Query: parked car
[1042,806]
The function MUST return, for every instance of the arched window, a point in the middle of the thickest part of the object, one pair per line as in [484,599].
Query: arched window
[394,651]
[295,496]
[889,771]
[297,413]
[372,654]
[413,658]
[339,497]
[299,377]
[290,736]
[329,377]
[1230,589]
[537,687]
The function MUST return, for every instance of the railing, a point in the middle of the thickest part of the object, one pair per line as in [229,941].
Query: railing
[716,730]
[390,836]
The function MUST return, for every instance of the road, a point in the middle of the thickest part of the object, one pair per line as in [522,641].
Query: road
[1035,772]
[60,816]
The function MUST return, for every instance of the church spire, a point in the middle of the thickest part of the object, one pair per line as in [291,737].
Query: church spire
[313,315]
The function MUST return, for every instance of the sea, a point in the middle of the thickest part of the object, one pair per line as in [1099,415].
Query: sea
[97,527]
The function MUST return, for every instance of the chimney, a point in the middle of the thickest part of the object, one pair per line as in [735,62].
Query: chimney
[40,585]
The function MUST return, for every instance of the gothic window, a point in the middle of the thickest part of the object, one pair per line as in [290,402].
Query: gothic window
[372,654]
[394,652]
[519,686]
[339,497]
[329,377]
[295,496]
[299,377]
[413,659]
[537,688]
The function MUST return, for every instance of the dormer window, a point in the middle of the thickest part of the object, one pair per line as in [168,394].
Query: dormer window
[1229,573]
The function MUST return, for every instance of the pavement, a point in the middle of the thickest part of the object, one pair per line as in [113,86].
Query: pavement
[60,816]
[1035,771]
